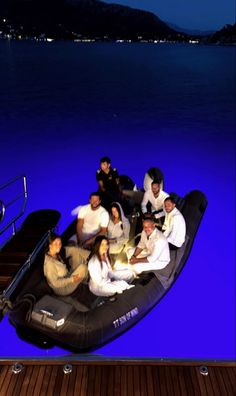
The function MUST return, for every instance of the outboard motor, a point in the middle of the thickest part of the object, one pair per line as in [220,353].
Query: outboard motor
[129,189]
[127,183]
[152,174]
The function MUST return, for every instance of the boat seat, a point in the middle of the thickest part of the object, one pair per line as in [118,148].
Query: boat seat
[68,232]
[32,230]
[46,218]
[180,254]
[167,274]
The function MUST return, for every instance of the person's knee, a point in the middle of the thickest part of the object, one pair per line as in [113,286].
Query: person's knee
[82,271]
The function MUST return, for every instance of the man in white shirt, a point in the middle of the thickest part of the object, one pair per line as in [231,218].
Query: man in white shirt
[174,227]
[155,199]
[92,221]
[152,252]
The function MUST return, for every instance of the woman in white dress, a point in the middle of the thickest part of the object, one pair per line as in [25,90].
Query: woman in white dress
[118,228]
[104,281]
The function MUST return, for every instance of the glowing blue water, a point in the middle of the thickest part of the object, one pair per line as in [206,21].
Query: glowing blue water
[65,105]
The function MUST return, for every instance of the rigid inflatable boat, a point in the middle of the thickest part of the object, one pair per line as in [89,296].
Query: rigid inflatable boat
[83,322]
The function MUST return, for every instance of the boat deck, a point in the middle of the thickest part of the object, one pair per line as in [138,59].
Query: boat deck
[126,378]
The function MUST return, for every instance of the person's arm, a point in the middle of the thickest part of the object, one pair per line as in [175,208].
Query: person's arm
[76,256]
[90,241]
[104,220]
[116,177]
[176,235]
[160,212]
[51,274]
[76,278]
[144,203]
[118,185]
[160,255]
[157,260]
[101,185]
[124,237]
[134,259]
[100,285]
[95,271]
[126,229]
[79,226]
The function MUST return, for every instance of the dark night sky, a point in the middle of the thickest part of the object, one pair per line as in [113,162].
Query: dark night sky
[191,14]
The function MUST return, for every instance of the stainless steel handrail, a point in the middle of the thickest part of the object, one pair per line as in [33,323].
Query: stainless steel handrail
[16,198]
[2,210]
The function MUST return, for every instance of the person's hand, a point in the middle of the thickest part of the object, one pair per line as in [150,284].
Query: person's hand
[133,260]
[76,278]
[86,244]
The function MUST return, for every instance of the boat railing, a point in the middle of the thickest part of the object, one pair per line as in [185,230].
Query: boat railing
[16,197]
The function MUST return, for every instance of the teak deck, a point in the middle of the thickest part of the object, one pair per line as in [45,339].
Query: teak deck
[118,378]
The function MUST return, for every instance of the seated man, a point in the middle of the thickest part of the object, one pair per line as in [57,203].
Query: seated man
[153,200]
[92,221]
[152,252]
[174,227]
[108,182]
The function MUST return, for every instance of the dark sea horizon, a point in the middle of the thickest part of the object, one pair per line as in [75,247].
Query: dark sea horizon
[64,105]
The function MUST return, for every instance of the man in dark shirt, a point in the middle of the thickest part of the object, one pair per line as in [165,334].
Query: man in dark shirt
[108,182]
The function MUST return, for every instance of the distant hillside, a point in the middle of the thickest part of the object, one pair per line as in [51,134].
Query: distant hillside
[190,32]
[226,35]
[75,18]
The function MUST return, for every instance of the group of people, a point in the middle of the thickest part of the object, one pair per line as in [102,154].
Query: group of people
[102,232]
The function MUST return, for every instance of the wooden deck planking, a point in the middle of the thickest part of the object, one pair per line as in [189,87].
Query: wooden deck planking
[210,380]
[143,389]
[117,381]
[176,380]
[223,382]
[26,373]
[180,384]
[84,382]
[3,373]
[31,390]
[46,379]
[6,382]
[231,375]
[50,381]
[126,379]
[123,381]
[58,381]
[91,380]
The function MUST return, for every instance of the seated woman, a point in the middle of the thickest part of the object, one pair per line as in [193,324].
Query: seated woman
[62,280]
[104,281]
[118,228]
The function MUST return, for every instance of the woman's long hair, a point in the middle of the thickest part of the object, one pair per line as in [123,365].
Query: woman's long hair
[52,236]
[61,256]
[117,206]
[96,247]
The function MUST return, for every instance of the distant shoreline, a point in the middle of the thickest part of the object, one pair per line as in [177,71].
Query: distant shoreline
[118,41]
